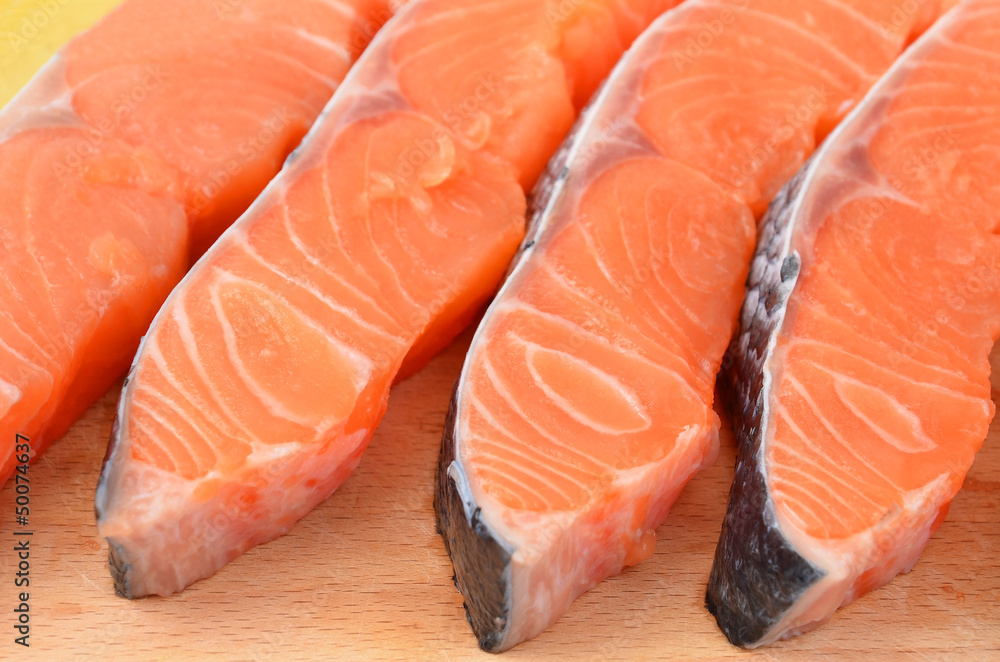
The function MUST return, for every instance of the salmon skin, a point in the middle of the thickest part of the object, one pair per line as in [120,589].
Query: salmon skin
[586,399]
[127,154]
[264,375]
[861,379]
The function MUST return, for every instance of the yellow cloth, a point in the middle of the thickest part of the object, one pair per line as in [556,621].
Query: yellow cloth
[31,31]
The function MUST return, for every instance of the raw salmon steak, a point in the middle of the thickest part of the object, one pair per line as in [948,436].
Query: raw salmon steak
[264,375]
[129,152]
[586,400]
[861,379]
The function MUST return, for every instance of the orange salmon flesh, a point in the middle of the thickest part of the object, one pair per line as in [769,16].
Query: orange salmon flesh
[126,157]
[264,375]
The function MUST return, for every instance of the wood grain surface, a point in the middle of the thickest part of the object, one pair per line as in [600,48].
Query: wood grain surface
[365,576]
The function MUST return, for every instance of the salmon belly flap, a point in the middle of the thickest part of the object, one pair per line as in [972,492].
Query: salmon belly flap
[586,400]
[126,156]
[862,373]
[264,375]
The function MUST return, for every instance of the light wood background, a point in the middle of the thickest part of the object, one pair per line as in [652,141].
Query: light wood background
[365,576]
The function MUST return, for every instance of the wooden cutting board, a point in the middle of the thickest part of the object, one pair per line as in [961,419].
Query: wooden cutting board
[365,576]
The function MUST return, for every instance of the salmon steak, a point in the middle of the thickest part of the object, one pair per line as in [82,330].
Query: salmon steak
[260,382]
[125,157]
[586,400]
[861,382]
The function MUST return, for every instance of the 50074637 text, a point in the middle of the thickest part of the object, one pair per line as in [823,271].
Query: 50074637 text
[22,540]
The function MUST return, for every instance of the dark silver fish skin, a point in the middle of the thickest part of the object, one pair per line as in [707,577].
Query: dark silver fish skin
[480,558]
[119,567]
[757,576]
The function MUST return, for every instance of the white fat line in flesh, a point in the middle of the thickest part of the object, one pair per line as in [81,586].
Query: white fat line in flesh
[628,296]
[691,434]
[348,10]
[862,18]
[937,349]
[138,403]
[298,64]
[376,247]
[478,405]
[271,403]
[263,454]
[347,285]
[514,500]
[529,528]
[481,47]
[347,312]
[792,514]
[669,290]
[566,406]
[889,350]
[812,495]
[642,333]
[826,423]
[610,279]
[516,305]
[323,42]
[335,232]
[30,251]
[444,16]
[372,244]
[187,340]
[361,363]
[498,385]
[139,428]
[18,355]
[159,396]
[946,351]
[15,325]
[66,261]
[509,441]
[485,444]
[923,442]
[782,412]
[155,395]
[505,467]
[186,333]
[824,45]
[971,48]
[975,112]
[927,443]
